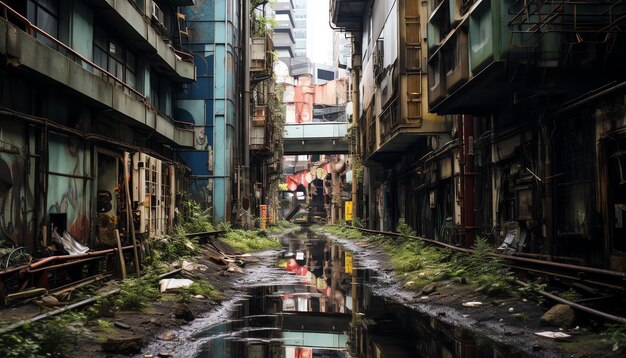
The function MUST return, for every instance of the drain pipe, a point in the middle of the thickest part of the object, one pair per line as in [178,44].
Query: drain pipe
[355,123]
[467,167]
[244,178]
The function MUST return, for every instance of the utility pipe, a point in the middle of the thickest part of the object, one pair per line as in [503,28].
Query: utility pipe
[468,179]
[46,260]
[245,173]
[617,274]
[577,306]
[355,125]
[246,84]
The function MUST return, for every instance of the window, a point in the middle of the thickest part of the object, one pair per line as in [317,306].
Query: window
[110,55]
[45,15]
[161,94]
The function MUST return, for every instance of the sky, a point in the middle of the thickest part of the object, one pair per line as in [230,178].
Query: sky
[319,33]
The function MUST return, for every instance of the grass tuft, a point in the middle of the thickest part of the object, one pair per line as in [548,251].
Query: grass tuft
[202,288]
[250,241]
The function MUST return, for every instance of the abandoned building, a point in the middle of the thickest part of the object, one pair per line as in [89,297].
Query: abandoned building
[516,135]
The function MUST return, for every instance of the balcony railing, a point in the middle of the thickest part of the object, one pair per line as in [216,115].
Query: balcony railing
[11,15]
[31,29]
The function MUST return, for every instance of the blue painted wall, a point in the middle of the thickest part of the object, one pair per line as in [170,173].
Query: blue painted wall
[211,102]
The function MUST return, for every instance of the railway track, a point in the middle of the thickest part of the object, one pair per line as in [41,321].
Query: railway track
[602,285]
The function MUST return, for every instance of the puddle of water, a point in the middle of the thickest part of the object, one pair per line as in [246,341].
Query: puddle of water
[322,306]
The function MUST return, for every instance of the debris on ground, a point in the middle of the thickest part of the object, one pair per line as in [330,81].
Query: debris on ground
[174,284]
[472,304]
[559,315]
[553,335]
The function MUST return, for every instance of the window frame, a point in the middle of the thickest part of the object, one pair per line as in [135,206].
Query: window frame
[108,51]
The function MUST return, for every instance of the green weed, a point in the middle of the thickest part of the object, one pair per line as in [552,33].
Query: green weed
[486,271]
[250,241]
[104,325]
[343,231]
[54,337]
[404,229]
[173,247]
[195,219]
[571,295]
[617,335]
[531,292]
[135,294]
[202,288]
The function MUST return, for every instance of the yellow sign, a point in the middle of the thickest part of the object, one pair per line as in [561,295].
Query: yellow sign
[263,217]
[348,262]
[348,211]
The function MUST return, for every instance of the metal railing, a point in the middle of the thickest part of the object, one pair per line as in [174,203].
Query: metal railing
[30,28]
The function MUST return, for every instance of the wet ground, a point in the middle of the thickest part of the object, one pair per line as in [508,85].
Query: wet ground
[323,305]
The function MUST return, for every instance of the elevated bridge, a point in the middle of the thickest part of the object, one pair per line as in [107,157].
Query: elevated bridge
[315,138]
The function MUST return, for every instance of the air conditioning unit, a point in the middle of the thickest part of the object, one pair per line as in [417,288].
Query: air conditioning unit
[158,16]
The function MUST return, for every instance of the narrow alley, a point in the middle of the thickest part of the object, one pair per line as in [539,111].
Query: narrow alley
[312,178]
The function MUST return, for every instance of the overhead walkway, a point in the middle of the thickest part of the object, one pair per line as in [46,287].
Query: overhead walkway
[315,138]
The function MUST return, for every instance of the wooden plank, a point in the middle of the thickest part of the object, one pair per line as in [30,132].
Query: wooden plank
[122,265]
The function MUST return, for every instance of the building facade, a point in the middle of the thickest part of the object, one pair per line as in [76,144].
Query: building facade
[88,127]
[284,37]
[539,88]
[392,128]
[213,104]
[146,98]
[530,98]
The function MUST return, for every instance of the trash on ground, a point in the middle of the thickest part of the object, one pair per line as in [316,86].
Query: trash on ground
[553,335]
[68,243]
[174,284]
[472,304]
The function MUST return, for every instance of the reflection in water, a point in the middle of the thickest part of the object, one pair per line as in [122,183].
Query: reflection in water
[332,312]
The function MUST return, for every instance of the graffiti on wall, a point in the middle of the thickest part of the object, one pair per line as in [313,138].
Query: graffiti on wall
[69,184]
[16,188]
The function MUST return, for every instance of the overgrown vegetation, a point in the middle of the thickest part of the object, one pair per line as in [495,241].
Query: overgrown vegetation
[135,294]
[531,292]
[571,295]
[279,227]
[617,335]
[487,271]
[419,264]
[404,229]
[194,218]
[344,231]
[54,337]
[250,241]
[201,288]
[357,222]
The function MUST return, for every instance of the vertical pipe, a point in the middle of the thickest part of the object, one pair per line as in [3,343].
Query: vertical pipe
[468,179]
[355,124]
[549,181]
[246,83]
